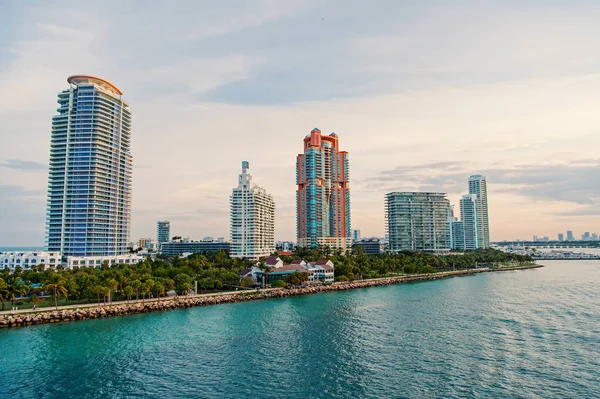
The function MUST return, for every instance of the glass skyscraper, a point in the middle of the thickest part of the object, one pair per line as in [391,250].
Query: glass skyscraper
[323,194]
[163,231]
[478,187]
[469,215]
[89,187]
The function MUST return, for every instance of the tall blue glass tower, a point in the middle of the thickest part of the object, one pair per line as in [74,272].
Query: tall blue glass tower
[90,175]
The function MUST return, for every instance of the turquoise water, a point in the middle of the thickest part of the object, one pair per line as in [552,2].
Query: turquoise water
[523,334]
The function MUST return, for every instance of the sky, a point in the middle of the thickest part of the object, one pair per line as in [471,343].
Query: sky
[421,93]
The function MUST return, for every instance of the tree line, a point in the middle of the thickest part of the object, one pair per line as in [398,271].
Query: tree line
[216,271]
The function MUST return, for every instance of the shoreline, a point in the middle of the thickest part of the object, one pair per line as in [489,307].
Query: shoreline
[94,311]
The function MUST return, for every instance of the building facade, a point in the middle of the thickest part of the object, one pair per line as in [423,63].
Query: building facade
[163,231]
[27,260]
[469,217]
[372,246]
[89,185]
[323,193]
[417,221]
[177,248]
[252,219]
[478,187]
[457,235]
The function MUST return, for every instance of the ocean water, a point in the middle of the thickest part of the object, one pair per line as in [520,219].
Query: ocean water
[521,334]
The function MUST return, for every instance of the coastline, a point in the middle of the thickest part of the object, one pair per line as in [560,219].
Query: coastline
[93,311]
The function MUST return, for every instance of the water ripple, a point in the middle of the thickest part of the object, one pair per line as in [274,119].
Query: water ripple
[528,334]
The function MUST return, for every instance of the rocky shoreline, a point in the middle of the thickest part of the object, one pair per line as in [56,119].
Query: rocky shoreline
[67,315]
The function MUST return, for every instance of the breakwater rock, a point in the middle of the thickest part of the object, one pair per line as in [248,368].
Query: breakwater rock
[87,313]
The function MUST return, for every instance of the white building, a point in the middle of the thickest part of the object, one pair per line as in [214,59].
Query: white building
[11,260]
[321,270]
[273,262]
[96,261]
[252,219]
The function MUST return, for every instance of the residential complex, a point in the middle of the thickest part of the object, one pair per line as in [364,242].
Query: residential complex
[27,260]
[371,246]
[252,219]
[323,193]
[478,187]
[181,247]
[163,231]
[469,216]
[89,185]
[417,221]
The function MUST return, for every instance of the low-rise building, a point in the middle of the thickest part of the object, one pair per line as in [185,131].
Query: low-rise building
[97,261]
[372,246]
[254,272]
[176,248]
[273,262]
[25,260]
[319,271]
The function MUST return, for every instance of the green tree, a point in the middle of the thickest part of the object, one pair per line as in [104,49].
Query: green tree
[3,292]
[128,291]
[16,288]
[183,283]
[278,284]
[55,285]
[158,289]
[136,285]
[247,281]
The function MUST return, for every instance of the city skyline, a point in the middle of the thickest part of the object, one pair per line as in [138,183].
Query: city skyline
[509,104]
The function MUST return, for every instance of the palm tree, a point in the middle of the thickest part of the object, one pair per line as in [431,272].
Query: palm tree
[3,292]
[128,290]
[56,285]
[16,287]
[159,289]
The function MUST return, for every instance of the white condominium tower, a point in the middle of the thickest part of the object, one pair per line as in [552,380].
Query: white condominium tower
[252,219]
[89,187]
[478,187]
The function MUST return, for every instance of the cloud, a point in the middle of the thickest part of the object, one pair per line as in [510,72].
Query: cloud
[27,166]
[577,182]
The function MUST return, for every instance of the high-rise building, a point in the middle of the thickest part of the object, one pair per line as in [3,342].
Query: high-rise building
[89,187]
[252,219]
[417,221]
[570,236]
[561,237]
[535,237]
[356,235]
[469,216]
[457,235]
[478,187]
[323,194]
[163,231]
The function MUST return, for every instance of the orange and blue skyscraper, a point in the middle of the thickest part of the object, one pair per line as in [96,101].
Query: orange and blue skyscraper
[323,194]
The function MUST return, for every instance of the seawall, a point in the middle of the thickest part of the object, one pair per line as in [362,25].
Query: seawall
[102,311]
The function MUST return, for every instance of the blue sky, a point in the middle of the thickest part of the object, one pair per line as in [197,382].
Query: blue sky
[421,93]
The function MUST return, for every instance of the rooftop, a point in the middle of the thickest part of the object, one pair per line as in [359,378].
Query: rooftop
[105,84]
